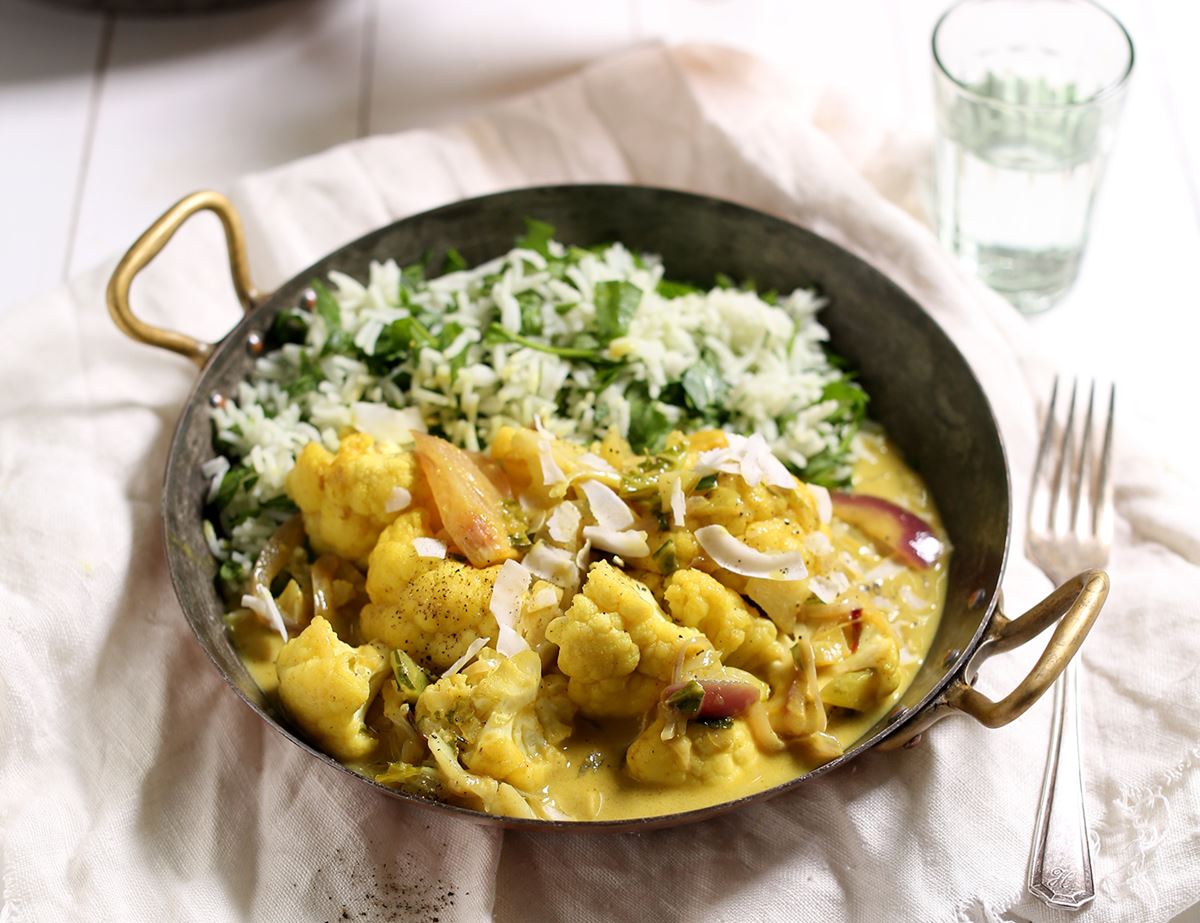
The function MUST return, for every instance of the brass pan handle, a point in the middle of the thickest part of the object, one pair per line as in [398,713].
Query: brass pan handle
[1074,605]
[148,246]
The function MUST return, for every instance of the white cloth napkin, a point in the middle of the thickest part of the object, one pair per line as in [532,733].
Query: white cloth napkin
[134,785]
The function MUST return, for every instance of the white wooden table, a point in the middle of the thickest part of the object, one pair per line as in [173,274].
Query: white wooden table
[104,121]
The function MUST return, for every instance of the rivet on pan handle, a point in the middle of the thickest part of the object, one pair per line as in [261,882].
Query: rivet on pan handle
[1074,605]
[147,247]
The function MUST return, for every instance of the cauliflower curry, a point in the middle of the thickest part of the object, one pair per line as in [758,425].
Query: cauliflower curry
[558,631]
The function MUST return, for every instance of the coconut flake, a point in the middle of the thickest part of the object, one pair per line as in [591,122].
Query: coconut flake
[594,463]
[818,543]
[472,649]
[564,522]
[581,556]
[551,472]
[262,604]
[399,499]
[829,587]
[387,424]
[628,544]
[824,502]
[739,558]
[611,512]
[678,503]
[556,565]
[759,464]
[429,547]
[511,584]
[750,458]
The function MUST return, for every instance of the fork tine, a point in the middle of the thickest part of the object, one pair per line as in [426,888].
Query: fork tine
[1083,473]
[1102,512]
[1064,455]
[1035,494]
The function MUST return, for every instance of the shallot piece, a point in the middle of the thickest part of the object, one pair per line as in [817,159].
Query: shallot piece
[711,698]
[909,536]
[467,501]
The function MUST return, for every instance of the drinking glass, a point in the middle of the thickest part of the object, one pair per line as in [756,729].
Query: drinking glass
[1028,94]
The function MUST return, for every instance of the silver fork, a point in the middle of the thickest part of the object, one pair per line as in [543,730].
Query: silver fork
[1070,530]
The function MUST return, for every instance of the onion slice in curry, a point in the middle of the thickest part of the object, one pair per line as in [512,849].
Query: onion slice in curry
[467,501]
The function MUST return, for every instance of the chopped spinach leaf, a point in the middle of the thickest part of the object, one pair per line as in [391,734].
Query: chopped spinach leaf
[327,307]
[497,334]
[232,482]
[290,326]
[668,289]
[537,237]
[616,303]
[531,312]
[648,425]
[703,384]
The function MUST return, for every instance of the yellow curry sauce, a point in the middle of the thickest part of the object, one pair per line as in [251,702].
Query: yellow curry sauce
[614,725]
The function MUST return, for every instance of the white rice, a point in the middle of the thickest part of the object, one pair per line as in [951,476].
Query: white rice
[770,358]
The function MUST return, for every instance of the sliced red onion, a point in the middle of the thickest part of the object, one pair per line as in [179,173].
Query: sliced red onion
[905,533]
[720,698]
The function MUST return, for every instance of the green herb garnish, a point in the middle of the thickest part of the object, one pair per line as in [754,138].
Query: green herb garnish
[616,303]
[716,723]
[687,699]
[703,384]
[706,483]
[664,557]
[423,781]
[648,425]
[537,237]
[411,678]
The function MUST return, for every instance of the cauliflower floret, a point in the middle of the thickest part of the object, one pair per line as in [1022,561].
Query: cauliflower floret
[489,714]
[344,497]
[528,457]
[430,608]
[616,646]
[707,755]
[742,637]
[326,686]
[740,508]
[480,792]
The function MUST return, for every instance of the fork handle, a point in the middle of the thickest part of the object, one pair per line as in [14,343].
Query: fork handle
[1060,869]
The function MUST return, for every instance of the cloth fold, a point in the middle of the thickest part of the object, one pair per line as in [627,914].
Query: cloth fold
[133,785]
